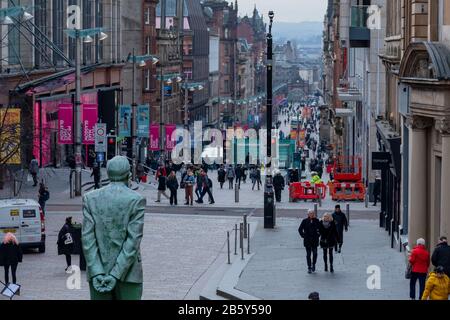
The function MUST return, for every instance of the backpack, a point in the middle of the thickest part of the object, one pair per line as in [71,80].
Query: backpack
[210,184]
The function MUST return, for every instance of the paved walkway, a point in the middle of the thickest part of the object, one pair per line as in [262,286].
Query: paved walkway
[278,269]
[176,252]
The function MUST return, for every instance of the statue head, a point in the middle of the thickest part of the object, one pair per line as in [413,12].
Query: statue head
[118,169]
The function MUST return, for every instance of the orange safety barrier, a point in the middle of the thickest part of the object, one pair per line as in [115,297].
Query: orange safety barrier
[348,191]
[306,191]
[347,169]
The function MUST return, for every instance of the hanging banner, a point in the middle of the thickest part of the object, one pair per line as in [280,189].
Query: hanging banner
[10,136]
[154,138]
[90,116]
[124,121]
[170,143]
[65,123]
[143,121]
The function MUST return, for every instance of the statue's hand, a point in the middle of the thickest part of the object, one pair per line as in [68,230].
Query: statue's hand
[109,282]
[97,282]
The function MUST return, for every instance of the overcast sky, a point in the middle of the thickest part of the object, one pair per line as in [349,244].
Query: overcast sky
[286,10]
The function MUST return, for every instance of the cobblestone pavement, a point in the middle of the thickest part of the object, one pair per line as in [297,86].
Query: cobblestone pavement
[278,269]
[176,251]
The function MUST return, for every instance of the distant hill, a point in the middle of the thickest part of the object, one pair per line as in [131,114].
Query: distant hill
[302,32]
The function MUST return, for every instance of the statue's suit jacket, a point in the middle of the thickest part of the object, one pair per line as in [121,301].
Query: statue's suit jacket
[113,225]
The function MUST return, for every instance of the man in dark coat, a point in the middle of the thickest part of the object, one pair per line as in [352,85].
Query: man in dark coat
[309,230]
[238,173]
[376,190]
[96,172]
[441,255]
[221,173]
[278,185]
[341,223]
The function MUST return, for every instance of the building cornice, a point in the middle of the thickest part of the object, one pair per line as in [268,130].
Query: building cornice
[418,122]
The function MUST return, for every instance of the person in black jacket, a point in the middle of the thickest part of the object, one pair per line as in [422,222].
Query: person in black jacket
[441,255]
[172,184]
[10,256]
[341,223]
[162,187]
[238,173]
[328,239]
[96,173]
[65,242]
[376,190]
[43,196]
[278,185]
[309,230]
[221,176]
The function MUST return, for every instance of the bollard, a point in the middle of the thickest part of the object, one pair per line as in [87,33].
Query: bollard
[348,213]
[236,193]
[248,238]
[245,226]
[235,239]
[242,240]
[366,199]
[392,233]
[228,246]
[315,209]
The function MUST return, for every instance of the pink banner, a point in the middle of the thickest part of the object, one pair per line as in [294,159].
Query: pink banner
[90,115]
[170,143]
[65,123]
[154,138]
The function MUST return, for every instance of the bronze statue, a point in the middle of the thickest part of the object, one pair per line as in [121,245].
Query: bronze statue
[113,224]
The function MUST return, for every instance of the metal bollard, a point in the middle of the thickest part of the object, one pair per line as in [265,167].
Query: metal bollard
[235,239]
[248,238]
[245,226]
[319,190]
[236,193]
[242,240]
[366,199]
[228,246]
[348,213]
[315,209]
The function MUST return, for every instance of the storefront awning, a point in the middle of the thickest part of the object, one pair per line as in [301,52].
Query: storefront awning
[391,141]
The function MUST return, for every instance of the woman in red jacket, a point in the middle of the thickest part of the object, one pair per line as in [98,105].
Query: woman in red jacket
[420,262]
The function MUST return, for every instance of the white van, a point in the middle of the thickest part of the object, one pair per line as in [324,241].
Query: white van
[25,219]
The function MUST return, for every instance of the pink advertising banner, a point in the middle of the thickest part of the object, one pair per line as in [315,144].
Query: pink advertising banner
[65,123]
[170,143]
[154,138]
[90,115]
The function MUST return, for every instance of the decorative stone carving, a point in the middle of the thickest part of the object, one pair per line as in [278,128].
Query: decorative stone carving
[419,122]
[443,126]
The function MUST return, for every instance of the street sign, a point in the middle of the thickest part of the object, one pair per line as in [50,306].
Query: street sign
[100,137]
[100,157]
[73,17]
[381,160]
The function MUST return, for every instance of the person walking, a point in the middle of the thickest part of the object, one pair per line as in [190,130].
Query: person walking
[314,296]
[172,184]
[189,187]
[441,255]
[199,183]
[43,196]
[437,286]
[162,187]
[420,262]
[244,173]
[328,239]
[376,190]
[309,230]
[34,170]
[230,176]
[65,243]
[96,173]
[206,189]
[278,185]
[238,173]
[221,176]
[341,223]
[140,172]
[10,256]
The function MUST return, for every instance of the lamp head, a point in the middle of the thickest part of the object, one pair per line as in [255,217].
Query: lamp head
[178,79]
[6,20]
[155,60]
[88,39]
[102,36]
[271,15]
[142,64]
[27,16]
[169,81]
[200,87]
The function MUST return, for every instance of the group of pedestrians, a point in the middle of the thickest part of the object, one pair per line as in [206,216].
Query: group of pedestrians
[436,284]
[328,233]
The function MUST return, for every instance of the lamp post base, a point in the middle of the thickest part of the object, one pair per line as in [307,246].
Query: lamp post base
[269,205]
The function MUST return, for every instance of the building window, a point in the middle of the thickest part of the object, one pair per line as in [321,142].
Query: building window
[147,16]
[87,23]
[226,85]
[98,24]
[40,18]
[147,79]
[58,19]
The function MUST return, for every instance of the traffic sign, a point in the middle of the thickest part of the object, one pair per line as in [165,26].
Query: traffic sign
[100,137]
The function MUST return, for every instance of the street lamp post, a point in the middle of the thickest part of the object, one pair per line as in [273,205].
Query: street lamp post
[142,63]
[269,204]
[78,35]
